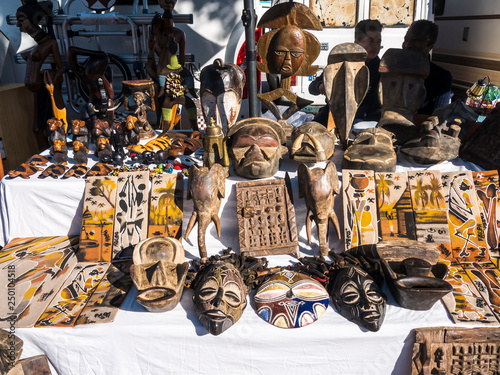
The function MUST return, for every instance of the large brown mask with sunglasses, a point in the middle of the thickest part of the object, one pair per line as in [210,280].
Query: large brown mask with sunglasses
[219,297]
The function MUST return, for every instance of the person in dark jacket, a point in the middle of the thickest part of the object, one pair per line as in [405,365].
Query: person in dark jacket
[422,36]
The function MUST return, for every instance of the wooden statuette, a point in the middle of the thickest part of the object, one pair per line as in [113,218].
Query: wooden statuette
[318,187]
[206,187]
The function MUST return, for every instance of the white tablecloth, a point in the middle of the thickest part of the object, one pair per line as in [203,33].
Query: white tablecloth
[140,343]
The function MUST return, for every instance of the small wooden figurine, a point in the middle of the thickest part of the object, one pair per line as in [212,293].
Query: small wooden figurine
[206,187]
[59,151]
[80,133]
[318,187]
[132,131]
[55,131]
[103,150]
[143,93]
[54,170]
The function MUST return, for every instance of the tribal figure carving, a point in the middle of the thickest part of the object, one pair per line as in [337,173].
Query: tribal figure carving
[318,187]
[206,187]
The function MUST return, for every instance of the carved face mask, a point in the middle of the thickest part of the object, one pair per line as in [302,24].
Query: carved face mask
[358,298]
[221,93]
[287,51]
[312,142]
[255,147]
[158,273]
[291,300]
[219,297]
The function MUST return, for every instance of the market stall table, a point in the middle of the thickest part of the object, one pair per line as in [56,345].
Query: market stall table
[139,342]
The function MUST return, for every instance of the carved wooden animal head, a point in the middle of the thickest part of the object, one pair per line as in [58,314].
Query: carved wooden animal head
[76,125]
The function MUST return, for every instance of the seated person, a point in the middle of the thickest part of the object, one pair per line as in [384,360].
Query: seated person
[422,35]
[367,34]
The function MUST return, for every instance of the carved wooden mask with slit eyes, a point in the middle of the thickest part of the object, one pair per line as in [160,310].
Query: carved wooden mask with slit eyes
[291,300]
[358,298]
[219,297]
[221,93]
[255,147]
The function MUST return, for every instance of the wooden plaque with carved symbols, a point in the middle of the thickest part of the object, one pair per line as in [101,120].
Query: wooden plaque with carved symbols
[442,350]
[266,218]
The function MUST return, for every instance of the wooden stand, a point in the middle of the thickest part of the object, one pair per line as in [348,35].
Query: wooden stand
[17,106]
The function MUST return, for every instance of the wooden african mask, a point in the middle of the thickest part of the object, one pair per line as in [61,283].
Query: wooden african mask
[318,187]
[255,147]
[346,81]
[221,93]
[289,49]
[219,297]
[401,90]
[434,143]
[358,298]
[159,273]
[312,143]
[291,300]
[372,150]
[206,186]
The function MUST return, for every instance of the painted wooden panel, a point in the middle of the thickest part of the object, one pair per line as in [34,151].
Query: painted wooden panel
[131,213]
[69,301]
[360,208]
[335,13]
[465,304]
[106,300]
[464,221]
[395,210]
[486,184]
[431,221]
[97,219]
[486,278]
[165,210]
[392,12]
[32,270]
